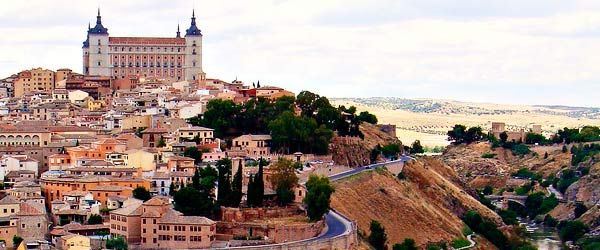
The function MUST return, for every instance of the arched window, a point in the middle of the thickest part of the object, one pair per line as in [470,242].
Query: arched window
[99,42]
[99,51]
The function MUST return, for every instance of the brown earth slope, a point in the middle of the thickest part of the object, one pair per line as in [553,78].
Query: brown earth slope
[426,206]
[354,151]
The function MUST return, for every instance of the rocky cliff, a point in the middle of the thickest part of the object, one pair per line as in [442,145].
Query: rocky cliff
[479,171]
[354,151]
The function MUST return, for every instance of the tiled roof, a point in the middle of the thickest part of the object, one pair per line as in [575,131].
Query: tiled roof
[174,217]
[8,200]
[146,40]
[134,209]
[29,208]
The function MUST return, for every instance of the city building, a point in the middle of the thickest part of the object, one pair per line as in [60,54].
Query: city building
[34,80]
[253,144]
[155,224]
[178,58]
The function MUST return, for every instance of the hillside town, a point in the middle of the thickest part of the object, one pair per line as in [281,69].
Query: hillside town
[137,152]
[143,149]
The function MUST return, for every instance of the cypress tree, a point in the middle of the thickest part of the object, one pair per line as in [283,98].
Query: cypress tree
[224,195]
[260,184]
[236,187]
[196,180]
[250,193]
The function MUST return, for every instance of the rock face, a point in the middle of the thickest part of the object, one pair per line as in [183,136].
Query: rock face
[354,151]
[478,171]
[425,206]
[586,189]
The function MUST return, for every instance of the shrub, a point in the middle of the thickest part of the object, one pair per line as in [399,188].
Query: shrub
[458,243]
[488,155]
[407,244]
[571,230]
[378,237]
[401,176]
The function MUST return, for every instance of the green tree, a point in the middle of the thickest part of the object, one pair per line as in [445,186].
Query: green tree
[172,189]
[236,186]
[416,148]
[192,202]
[141,193]
[460,134]
[318,196]
[224,194]
[117,243]
[378,237]
[196,179]
[580,209]
[503,137]
[572,230]
[391,151]
[407,244]
[375,152]
[283,178]
[367,117]
[193,153]
[17,240]
[487,190]
[220,115]
[257,191]
[94,219]
[161,142]
[208,177]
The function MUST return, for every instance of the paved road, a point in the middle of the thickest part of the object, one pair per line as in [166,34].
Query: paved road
[336,223]
[357,170]
[556,193]
[470,239]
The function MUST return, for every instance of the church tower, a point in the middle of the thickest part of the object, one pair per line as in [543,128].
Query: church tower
[193,52]
[96,48]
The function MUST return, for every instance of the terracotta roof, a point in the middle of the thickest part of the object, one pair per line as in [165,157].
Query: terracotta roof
[134,209]
[156,201]
[146,40]
[180,158]
[175,217]
[75,193]
[155,130]
[8,200]
[27,208]
[110,188]
[70,211]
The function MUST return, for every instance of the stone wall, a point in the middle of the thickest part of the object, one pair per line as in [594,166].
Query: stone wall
[250,214]
[272,232]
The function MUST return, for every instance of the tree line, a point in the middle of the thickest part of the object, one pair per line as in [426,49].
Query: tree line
[310,131]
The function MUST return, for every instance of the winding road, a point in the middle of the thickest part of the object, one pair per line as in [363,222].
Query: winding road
[337,224]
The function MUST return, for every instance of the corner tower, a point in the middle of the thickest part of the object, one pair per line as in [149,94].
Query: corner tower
[96,48]
[193,52]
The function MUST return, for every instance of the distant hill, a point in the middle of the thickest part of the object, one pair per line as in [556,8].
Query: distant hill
[428,120]
[469,108]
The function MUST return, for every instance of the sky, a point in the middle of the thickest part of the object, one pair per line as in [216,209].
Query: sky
[500,51]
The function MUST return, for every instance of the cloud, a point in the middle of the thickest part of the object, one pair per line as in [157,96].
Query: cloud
[496,51]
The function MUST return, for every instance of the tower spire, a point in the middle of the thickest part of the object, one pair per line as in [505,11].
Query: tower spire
[193,30]
[178,33]
[98,17]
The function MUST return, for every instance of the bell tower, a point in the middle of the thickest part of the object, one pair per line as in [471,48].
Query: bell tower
[193,52]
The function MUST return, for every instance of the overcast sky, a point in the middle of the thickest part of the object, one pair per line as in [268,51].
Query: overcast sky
[531,52]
